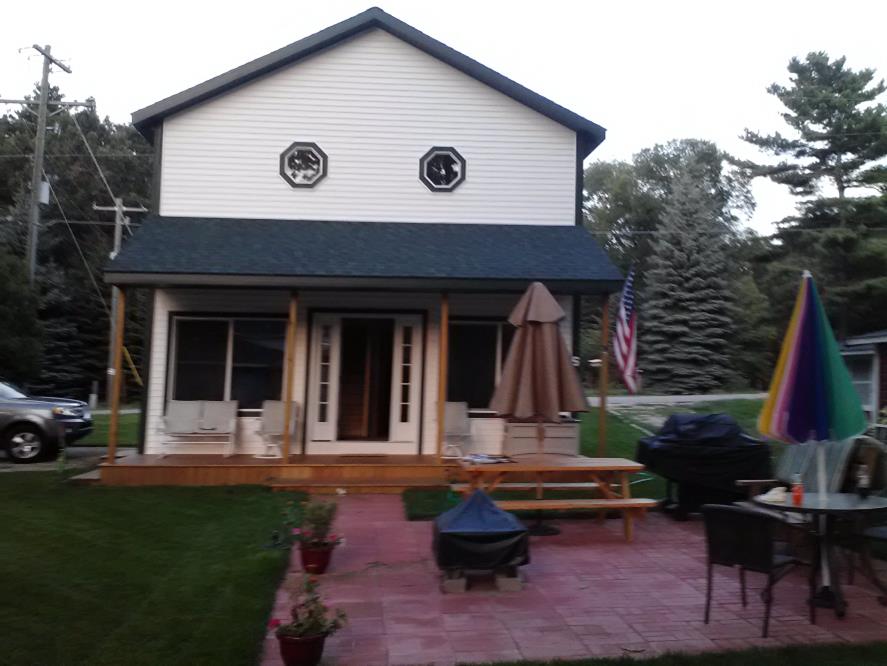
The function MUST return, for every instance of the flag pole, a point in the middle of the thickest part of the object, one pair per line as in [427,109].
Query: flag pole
[603,377]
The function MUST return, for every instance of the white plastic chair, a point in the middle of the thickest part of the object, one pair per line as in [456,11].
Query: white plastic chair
[457,429]
[272,427]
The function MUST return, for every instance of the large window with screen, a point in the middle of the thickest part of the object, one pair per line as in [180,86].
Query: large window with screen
[228,359]
[477,351]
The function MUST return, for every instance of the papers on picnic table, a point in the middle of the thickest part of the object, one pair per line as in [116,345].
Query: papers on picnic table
[485,459]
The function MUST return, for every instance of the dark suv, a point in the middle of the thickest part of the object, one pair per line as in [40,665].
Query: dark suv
[33,427]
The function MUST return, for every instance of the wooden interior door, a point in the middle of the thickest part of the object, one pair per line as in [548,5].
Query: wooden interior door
[365,378]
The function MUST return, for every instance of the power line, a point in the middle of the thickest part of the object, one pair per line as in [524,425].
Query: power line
[92,155]
[86,265]
[39,146]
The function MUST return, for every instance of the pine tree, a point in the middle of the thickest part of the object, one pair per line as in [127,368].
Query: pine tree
[75,322]
[838,143]
[686,321]
[21,339]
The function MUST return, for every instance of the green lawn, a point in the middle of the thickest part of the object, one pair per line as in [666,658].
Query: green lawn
[744,411]
[134,576]
[128,433]
[872,654]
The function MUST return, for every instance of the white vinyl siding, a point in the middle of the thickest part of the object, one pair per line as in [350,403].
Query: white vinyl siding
[487,432]
[375,105]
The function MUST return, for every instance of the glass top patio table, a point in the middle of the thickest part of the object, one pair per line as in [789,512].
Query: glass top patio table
[828,508]
[837,504]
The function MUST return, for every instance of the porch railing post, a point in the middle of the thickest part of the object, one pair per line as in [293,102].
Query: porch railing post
[289,356]
[443,356]
[604,377]
[117,356]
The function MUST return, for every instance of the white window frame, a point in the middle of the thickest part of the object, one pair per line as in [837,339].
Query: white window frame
[870,405]
[229,354]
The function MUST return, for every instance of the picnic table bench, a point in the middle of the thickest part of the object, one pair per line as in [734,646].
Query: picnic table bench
[609,476]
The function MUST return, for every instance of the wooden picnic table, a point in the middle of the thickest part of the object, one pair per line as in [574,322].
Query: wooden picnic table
[609,476]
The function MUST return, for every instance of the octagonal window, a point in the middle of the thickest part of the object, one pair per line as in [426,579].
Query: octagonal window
[442,169]
[303,164]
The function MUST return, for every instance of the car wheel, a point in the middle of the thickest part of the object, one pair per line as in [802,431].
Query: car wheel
[25,443]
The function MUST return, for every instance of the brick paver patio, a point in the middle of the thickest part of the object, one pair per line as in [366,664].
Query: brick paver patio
[588,593]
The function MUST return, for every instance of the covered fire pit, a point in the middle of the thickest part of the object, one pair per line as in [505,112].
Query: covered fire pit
[477,538]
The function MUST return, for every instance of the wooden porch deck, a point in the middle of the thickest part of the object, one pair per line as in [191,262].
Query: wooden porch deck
[313,473]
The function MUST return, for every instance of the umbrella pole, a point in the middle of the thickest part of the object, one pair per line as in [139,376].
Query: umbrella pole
[539,528]
[820,479]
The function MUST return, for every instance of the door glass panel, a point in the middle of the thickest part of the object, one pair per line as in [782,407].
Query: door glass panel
[405,374]
[325,355]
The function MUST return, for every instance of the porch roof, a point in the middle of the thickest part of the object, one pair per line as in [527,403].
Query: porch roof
[169,251]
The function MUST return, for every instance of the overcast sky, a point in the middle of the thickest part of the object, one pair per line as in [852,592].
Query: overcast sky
[647,71]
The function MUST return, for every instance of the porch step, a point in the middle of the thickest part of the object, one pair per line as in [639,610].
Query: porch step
[386,486]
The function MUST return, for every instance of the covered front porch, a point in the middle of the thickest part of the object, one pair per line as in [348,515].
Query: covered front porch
[322,474]
[363,364]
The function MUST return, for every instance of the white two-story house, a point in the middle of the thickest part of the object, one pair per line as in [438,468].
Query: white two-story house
[346,223]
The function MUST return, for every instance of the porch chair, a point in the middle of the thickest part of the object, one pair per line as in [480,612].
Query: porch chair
[743,538]
[801,459]
[272,427]
[457,429]
[200,422]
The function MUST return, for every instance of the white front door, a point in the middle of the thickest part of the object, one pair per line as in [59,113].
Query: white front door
[365,388]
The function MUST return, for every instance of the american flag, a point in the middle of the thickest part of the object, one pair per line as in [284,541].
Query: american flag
[625,344]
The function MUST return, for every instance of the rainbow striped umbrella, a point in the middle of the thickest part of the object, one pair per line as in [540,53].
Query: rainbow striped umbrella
[811,397]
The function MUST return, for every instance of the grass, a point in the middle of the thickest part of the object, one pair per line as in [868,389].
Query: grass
[870,654]
[622,438]
[140,576]
[128,433]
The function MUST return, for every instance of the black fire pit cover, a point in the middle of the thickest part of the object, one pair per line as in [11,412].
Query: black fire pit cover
[479,535]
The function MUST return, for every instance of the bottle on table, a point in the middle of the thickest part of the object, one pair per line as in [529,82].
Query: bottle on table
[797,490]
[863,481]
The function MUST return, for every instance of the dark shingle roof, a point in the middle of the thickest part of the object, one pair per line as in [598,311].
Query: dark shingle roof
[145,119]
[320,249]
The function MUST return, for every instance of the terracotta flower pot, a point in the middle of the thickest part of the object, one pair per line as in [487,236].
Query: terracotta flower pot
[315,559]
[301,651]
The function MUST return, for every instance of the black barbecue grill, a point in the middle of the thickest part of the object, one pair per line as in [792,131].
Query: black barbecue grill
[478,536]
[702,456]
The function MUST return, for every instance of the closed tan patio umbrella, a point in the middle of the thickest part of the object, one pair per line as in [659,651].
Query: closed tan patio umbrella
[538,380]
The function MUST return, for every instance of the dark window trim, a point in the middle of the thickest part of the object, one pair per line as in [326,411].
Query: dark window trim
[170,329]
[309,145]
[434,150]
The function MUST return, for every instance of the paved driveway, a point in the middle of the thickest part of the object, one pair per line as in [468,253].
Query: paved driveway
[620,400]
[79,457]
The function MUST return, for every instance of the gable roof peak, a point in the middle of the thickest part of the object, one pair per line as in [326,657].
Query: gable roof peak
[147,118]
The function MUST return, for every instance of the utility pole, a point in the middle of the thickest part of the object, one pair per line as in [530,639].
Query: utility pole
[120,220]
[39,145]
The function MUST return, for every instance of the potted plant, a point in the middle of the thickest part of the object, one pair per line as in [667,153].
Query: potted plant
[301,639]
[310,524]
